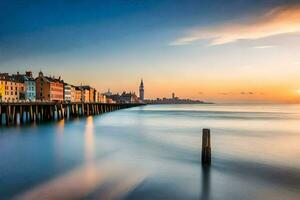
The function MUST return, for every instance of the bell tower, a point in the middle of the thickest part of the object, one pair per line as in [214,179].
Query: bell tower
[142,90]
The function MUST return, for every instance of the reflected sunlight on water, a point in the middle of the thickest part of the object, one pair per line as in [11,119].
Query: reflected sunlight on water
[89,139]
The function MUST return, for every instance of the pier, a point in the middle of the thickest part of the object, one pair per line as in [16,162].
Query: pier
[22,113]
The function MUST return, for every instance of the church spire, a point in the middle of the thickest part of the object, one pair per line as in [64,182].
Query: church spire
[141,90]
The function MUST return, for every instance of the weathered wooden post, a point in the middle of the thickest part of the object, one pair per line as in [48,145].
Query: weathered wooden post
[8,112]
[51,112]
[206,150]
[14,116]
[36,112]
[31,113]
[82,110]
[71,113]
[62,111]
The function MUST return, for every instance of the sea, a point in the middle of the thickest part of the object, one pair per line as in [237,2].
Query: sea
[154,152]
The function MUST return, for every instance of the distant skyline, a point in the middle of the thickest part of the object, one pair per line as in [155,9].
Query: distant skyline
[221,51]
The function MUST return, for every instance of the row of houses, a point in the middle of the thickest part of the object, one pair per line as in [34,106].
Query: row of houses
[124,97]
[24,87]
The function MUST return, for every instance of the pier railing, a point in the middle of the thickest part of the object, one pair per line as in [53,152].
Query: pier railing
[20,113]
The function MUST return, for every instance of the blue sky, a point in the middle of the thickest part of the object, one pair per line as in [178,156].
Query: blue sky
[112,44]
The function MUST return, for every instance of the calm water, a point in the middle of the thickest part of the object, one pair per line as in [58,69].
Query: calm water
[153,152]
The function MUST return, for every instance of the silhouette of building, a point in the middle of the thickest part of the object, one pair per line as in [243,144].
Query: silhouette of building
[173,100]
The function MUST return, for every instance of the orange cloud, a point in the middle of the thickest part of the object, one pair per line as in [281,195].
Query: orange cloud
[281,20]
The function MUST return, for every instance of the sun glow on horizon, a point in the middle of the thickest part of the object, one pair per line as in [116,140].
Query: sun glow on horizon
[251,55]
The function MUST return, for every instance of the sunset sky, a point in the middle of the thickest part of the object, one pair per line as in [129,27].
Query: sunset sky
[222,51]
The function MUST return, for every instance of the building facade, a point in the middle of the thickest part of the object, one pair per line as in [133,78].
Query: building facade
[73,93]
[78,94]
[67,92]
[49,88]
[85,95]
[96,96]
[11,90]
[102,98]
[30,84]
[124,98]
[88,93]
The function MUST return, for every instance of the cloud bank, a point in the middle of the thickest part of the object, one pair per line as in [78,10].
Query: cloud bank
[280,20]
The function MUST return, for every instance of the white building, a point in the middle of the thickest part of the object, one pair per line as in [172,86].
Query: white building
[67,93]
[30,89]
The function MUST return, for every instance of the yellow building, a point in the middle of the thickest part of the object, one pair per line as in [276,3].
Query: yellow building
[10,89]
[2,90]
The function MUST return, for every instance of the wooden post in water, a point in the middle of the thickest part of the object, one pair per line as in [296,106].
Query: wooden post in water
[206,150]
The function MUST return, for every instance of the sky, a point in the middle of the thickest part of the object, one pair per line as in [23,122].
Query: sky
[220,51]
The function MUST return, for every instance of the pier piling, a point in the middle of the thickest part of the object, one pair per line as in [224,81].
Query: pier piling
[18,113]
[206,148]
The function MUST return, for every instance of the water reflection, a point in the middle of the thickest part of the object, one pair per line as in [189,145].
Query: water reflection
[89,139]
[89,149]
[60,126]
[205,184]
[141,154]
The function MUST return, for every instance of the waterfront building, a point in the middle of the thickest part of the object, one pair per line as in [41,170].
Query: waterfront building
[11,90]
[67,92]
[141,90]
[78,94]
[125,98]
[30,84]
[49,88]
[73,93]
[109,100]
[85,95]
[102,98]
[96,96]
[92,94]
[88,93]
